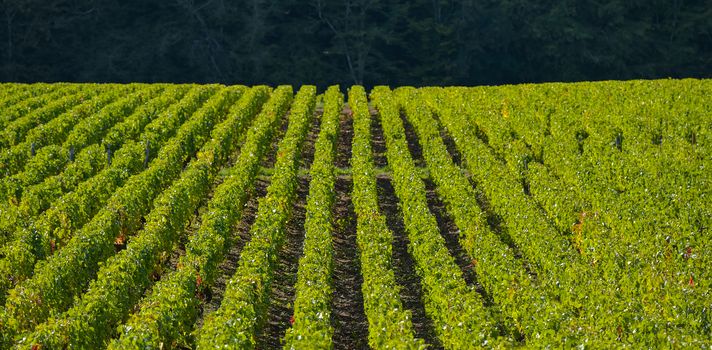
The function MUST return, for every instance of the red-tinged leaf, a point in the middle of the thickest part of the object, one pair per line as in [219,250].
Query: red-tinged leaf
[691,282]
[688,252]
[291,319]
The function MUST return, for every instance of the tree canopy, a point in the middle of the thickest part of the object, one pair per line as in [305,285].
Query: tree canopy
[418,42]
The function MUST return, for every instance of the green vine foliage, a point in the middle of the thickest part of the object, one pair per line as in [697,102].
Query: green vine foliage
[534,216]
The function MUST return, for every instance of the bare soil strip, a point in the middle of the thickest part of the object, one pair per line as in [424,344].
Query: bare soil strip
[411,292]
[416,152]
[348,316]
[498,226]
[343,147]
[378,143]
[282,291]
[214,296]
[451,148]
[450,232]
[308,148]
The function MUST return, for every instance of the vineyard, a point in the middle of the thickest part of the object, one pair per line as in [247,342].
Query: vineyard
[156,216]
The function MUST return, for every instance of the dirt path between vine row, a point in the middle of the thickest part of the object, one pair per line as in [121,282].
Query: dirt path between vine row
[282,291]
[411,292]
[227,268]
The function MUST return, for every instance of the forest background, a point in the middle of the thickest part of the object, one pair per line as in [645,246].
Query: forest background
[416,42]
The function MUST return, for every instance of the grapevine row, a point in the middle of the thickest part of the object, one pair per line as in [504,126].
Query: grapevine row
[70,212]
[15,132]
[613,227]
[168,313]
[559,269]
[65,275]
[43,97]
[389,323]
[12,94]
[61,116]
[145,118]
[638,217]
[502,275]
[312,304]
[459,316]
[527,225]
[245,301]
[92,159]
[124,276]
[77,208]
[84,132]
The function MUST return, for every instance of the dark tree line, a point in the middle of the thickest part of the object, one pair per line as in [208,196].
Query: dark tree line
[418,42]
